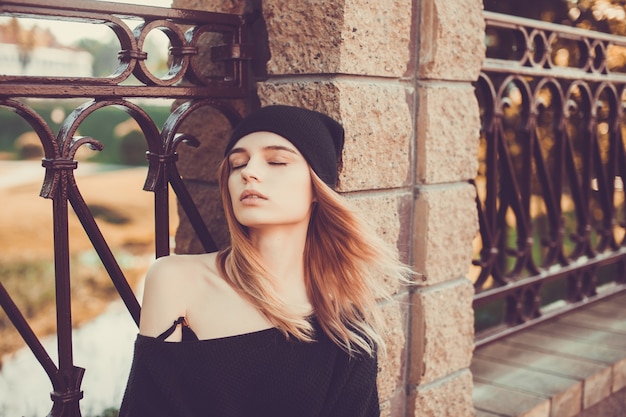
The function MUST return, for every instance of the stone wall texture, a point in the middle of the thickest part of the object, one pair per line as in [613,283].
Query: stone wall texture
[398,75]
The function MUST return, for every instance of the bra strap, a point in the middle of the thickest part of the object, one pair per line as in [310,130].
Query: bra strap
[170,330]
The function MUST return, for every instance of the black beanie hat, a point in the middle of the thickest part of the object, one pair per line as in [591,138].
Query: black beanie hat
[318,137]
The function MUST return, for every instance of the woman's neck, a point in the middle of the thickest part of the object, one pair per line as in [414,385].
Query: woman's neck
[282,252]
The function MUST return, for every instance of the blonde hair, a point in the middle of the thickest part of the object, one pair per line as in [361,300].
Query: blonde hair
[345,263]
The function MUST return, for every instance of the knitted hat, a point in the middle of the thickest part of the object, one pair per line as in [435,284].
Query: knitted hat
[318,137]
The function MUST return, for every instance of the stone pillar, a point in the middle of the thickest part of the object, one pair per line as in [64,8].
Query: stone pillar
[351,59]
[398,75]
[451,51]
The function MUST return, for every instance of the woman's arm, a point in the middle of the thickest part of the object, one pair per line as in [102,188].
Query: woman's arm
[163,298]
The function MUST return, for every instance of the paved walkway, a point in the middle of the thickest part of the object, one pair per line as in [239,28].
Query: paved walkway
[572,364]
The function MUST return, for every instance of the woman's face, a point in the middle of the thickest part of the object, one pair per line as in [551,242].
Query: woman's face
[269,182]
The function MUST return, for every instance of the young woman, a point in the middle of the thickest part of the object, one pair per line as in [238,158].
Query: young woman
[283,322]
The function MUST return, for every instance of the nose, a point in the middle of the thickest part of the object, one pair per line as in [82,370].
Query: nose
[249,172]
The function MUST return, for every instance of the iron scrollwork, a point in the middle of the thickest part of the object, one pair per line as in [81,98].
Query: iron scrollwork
[187,78]
[550,191]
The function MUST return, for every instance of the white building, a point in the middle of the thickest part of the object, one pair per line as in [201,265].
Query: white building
[46,62]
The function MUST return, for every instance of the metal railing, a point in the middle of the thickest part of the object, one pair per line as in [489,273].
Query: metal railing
[187,78]
[550,186]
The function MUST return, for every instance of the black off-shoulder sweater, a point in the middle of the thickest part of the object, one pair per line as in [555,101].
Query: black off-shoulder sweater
[256,374]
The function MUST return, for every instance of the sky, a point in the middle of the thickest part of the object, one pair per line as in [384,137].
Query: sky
[69,33]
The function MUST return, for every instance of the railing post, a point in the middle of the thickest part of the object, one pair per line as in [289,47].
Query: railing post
[67,396]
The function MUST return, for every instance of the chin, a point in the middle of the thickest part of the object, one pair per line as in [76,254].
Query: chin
[252,222]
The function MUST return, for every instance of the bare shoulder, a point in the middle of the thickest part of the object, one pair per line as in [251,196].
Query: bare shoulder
[171,284]
[191,286]
[175,270]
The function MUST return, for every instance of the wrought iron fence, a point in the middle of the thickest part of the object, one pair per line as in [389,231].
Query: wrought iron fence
[550,186]
[190,34]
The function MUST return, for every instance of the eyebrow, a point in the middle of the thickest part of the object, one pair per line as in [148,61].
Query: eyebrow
[265,148]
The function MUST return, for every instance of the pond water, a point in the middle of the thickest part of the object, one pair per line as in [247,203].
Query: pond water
[104,347]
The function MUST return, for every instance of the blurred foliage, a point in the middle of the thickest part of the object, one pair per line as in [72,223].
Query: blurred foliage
[608,16]
[110,412]
[104,55]
[121,146]
[23,280]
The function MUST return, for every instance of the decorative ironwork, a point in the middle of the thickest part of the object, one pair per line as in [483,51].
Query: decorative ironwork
[186,78]
[550,187]
[232,51]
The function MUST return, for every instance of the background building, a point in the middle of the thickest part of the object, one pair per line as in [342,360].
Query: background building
[36,52]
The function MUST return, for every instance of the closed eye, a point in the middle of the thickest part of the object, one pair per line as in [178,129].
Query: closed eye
[236,167]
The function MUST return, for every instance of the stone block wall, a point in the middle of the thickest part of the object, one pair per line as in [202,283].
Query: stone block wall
[398,75]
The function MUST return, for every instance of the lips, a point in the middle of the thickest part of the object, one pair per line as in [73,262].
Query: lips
[250,195]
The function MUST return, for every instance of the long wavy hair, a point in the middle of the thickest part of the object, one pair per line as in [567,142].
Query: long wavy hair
[346,264]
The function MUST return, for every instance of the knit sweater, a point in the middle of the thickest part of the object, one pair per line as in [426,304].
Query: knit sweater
[255,374]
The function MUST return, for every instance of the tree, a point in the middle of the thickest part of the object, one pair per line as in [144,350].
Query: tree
[104,55]
[25,41]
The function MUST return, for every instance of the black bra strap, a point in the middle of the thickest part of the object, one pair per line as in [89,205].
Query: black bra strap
[170,330]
